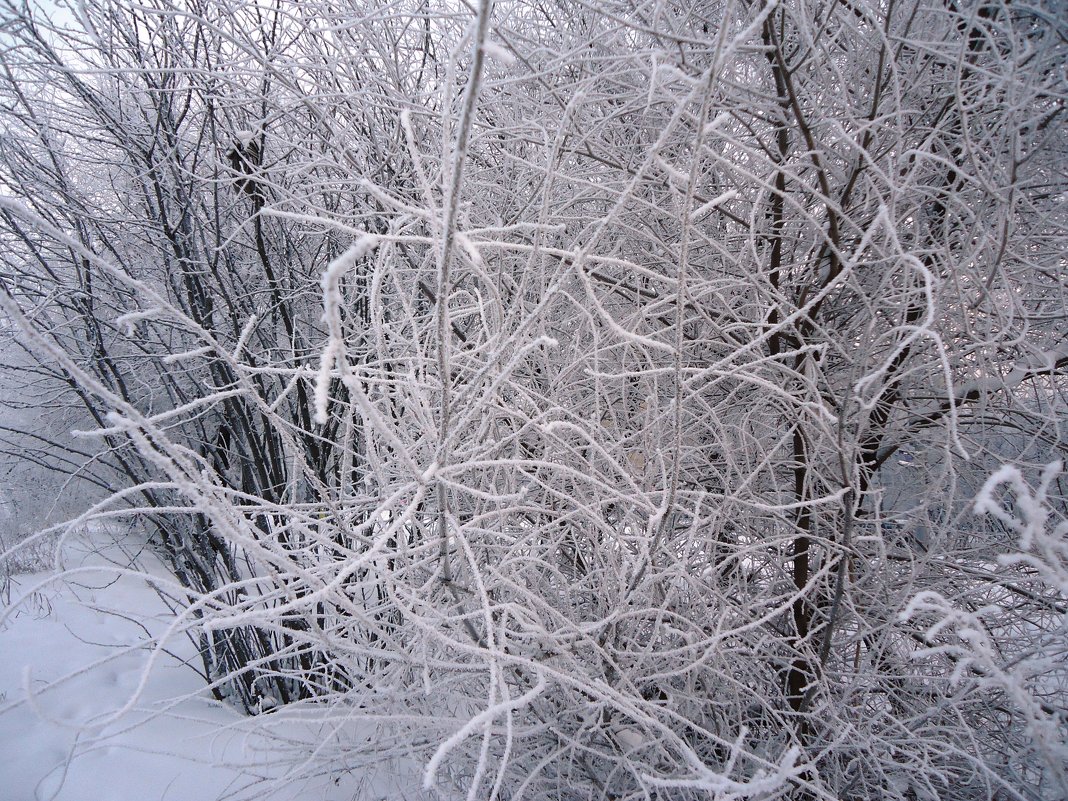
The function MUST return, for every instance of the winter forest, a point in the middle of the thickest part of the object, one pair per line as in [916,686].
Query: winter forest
[555,399]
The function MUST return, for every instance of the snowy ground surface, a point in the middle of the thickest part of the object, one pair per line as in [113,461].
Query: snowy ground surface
[78,645]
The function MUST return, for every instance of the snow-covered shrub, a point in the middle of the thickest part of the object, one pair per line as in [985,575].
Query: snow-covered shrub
[576,393]
[1013,650]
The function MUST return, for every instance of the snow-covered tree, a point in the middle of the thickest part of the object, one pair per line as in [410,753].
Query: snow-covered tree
[584,391]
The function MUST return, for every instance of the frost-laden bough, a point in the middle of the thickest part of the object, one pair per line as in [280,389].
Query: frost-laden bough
[579,394]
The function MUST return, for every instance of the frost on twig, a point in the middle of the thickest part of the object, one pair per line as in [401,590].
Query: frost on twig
[334,350]
[1031,674]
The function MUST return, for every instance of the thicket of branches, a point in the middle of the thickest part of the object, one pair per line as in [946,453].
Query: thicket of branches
[597,395]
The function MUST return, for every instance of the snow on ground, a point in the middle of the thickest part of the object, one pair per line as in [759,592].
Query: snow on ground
[78,645]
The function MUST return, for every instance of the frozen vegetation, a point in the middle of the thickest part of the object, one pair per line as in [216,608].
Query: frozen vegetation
[534,400]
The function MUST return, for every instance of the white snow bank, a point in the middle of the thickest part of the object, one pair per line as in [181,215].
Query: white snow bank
[175,743]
